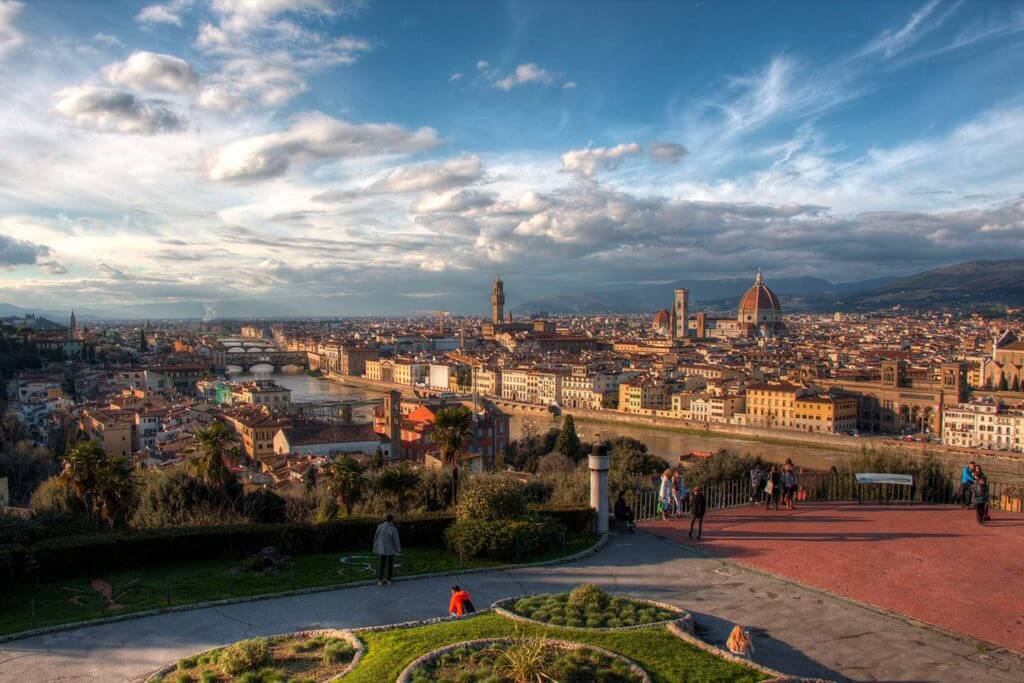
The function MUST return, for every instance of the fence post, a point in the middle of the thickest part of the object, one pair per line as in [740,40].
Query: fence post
[32,604]
[167,583]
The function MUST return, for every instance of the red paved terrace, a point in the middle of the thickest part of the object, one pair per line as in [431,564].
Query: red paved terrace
[932,563]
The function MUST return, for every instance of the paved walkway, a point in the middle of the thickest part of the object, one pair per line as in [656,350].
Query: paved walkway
[932,563]
[797,630]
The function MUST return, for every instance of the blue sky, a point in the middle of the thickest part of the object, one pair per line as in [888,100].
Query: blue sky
[319,156]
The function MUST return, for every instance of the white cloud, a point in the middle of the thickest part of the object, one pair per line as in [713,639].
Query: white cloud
[167,13]
[569,85]
[452,173]
[151,71]
[587,162]
[525,73]
[893,41]
[311,137]
[457,76]
[452,201]
[107,39]
[107,110]
[10,37]
[667,152]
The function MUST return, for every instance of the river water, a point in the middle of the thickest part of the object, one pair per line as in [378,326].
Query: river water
[667,444]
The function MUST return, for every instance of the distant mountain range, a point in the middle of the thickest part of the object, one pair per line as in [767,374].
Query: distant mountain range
[972,283]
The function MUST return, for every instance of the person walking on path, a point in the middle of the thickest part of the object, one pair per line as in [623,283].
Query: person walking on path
[980,489]
[665,493]
[460,604]
[773,488]
[698,505]
[386,545]
[757,480]
[966,484]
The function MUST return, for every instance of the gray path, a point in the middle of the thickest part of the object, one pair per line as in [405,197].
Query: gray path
[797,630]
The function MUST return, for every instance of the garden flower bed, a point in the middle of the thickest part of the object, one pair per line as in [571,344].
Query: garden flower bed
[510,660]
[587,606]
[304,657]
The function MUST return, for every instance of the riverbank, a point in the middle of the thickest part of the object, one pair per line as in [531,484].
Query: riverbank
[670,438]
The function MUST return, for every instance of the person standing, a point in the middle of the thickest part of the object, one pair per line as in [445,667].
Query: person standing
[740,643]
[774,487]
[980,489]
[665,493]
[386,545]
[789,484]
[680,492]
[698,505]
[757,479]
[966,484]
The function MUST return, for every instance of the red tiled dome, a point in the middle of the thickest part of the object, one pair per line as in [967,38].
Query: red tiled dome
[661,318]
[759,297]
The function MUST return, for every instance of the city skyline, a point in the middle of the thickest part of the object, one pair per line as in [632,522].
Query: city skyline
[323,157]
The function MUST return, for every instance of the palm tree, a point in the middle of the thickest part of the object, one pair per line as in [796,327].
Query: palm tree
[453,430]
[215,443]
[397,480]
[103,482]
[345,481]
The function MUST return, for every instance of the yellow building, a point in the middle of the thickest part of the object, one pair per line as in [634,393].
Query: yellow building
[773,404]
[255,427]
[643,395]
[826,414]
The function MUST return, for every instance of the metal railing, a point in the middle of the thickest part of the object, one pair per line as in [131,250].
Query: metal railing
[1003,495]
[722,494]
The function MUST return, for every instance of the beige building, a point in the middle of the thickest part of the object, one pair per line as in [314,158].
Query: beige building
[709,408]
[983,424]
[113,429]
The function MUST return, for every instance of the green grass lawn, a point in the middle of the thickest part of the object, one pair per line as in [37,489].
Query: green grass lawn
[665,657]
[64,601]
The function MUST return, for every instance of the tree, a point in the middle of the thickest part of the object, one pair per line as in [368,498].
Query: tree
[568,442]
[309,479]
[345,481]
[25,466]
[378,461]
[630,459]
[397,481]
[216,442]
[453,430]
[103,481]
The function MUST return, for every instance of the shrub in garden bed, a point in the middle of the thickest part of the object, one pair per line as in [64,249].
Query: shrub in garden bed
[510,539]
[530,659]
[587,606]
[296,658]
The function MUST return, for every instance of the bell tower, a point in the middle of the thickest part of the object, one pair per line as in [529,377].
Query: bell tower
[497,301]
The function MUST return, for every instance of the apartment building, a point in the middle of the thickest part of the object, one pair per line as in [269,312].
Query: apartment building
[984,424]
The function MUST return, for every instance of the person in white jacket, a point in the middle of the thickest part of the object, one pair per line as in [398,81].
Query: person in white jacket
[386,545]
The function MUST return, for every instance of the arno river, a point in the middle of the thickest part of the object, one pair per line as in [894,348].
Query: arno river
[667,444]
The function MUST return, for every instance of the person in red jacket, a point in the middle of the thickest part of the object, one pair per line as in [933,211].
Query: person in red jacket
[460,604]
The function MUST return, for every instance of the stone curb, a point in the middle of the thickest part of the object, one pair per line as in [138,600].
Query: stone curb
[58,628]
[344,634]
[982,645]
[684,620]
[406,674]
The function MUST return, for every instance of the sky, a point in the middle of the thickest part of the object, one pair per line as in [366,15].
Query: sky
[333,157]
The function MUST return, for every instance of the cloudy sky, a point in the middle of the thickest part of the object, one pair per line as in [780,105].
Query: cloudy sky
[334,157]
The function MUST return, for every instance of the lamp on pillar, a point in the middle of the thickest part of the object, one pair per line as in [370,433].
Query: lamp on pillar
[599,486]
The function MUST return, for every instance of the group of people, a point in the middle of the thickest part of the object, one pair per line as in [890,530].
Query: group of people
[974,491]
[777,485]
[674,499]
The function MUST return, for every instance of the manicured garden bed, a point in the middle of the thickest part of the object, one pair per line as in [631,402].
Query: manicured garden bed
[666,658]
[587,606]
[517,659]
[61,601]
[309,657]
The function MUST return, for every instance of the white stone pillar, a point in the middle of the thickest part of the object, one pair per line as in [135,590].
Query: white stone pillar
[599,462]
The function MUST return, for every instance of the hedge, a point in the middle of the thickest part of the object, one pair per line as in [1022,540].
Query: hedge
[86,554]
[503,539]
